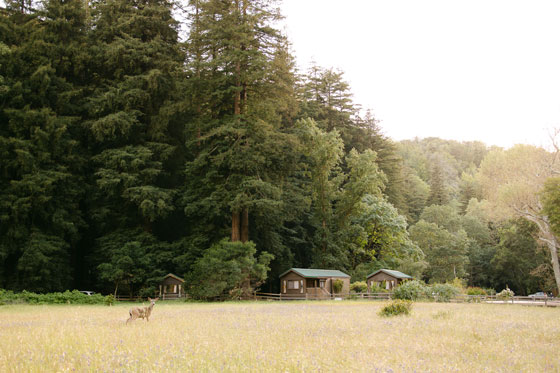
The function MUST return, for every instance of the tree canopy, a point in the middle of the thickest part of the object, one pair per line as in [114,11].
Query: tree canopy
[135,142]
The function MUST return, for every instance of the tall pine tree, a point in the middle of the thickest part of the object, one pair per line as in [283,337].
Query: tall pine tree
[241,100]
[41,167]
[135,127]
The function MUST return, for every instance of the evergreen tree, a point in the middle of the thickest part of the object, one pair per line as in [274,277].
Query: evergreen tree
[41,168]
[438,194]
[325,97]
[415,194]
[243,153]
[323,151]
[134,123]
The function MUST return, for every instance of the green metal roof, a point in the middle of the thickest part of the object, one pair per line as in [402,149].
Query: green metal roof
[390,272]
[316,273]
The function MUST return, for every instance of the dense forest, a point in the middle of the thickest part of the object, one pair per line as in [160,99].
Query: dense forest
[139,138]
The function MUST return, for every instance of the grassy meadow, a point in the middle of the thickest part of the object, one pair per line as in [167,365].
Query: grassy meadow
[280,337]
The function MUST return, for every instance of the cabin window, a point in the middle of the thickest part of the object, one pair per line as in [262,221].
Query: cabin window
[322,283]
[170,288]
[293,284]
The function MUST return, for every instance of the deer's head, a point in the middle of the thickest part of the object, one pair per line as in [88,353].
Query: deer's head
[152,301]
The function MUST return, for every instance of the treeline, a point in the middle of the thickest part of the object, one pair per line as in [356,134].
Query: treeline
[459,213]
[129,150]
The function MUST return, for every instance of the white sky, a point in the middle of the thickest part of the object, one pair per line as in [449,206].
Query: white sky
[485,70]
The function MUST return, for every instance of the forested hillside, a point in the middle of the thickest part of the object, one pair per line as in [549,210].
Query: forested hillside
[130,149]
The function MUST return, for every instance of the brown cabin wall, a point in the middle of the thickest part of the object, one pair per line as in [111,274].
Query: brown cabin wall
[345,284]
[328,284]
[171,281]
[382,276]
[295,277]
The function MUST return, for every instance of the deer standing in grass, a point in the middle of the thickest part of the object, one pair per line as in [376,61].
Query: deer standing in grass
[142,312]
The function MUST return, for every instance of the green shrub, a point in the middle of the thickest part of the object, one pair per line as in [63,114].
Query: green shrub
[444,292]
[337,286]
[505,294]
[68,297]
[410,290]
[396,307]
[459,283]
[109,300]
[476,291]
[376,288]
[358,287]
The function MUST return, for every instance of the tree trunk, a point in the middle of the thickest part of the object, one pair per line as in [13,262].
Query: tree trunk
[245,225]
[196,31]
[547,236]
[324,243]
[552,244]
[235,226]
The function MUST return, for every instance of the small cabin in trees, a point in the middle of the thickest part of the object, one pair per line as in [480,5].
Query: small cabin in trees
[312,283]
[386,278]
[171,287]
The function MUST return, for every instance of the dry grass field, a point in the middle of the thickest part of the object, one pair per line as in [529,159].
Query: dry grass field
[281,337]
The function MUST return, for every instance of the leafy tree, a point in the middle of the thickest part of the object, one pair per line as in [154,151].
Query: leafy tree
[384,236]
[551,203]
[512,181]
[440,162]
[363,180]
[228,269]
[482,248]
[446,253]
[445,217]
[131,260]
[517,255]
[323,151]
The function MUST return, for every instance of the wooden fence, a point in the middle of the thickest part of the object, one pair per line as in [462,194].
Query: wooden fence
[523,300]
[128,298]
[462,298]
[282,297]
[492,299]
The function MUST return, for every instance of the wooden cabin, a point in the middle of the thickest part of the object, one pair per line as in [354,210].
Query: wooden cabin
[171,287]
[386,278]
[312,283]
